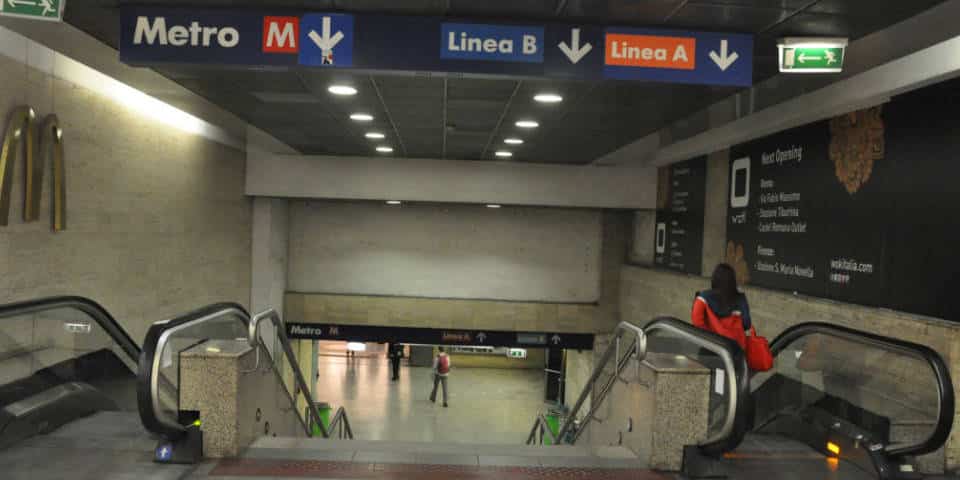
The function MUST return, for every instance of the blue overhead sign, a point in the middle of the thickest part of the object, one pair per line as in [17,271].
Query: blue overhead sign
[154,35]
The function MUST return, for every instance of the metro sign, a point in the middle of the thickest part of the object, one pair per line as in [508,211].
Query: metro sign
[281,34]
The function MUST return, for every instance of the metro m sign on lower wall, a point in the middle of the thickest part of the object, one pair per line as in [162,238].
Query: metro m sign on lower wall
[151,36]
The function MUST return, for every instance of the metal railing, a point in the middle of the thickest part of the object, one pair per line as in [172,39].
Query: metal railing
[637,348]
[340,419]
[734,363]
[540,425]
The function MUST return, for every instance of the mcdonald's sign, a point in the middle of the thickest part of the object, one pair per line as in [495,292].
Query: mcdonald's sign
[21,129]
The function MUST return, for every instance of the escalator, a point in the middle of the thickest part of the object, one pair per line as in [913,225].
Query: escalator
[839,403]
[61,359]
[842,403]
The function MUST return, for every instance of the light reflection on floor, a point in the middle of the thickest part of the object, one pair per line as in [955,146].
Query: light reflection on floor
[486,405]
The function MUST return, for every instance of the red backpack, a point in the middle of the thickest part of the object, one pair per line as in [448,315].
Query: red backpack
[443,364]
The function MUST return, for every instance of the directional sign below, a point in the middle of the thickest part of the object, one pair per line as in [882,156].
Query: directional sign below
[51,10]
[329,40]
[411,44]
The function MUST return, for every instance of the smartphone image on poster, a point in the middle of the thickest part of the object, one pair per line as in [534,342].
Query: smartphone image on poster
[740,183]
[661,237]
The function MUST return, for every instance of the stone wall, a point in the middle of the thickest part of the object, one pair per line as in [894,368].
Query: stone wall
[157,222]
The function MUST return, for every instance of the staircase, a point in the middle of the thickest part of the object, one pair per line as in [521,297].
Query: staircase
[299,457]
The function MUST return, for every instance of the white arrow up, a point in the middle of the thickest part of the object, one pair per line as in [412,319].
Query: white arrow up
[723,60]
[555,339]
[574,51]
[326,42]
[481,337]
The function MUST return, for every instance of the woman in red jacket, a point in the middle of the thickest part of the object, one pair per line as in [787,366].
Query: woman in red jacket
[723,309]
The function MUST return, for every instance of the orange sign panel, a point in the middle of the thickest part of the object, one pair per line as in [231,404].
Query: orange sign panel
[651,51]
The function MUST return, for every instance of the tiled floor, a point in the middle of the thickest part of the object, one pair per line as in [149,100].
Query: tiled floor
[486,405]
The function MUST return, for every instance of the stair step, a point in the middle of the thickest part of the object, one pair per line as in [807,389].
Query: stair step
[387,452]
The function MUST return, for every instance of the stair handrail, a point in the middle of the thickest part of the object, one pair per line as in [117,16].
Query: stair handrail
[273,317]
[539,425]
[638,348]
[340,423]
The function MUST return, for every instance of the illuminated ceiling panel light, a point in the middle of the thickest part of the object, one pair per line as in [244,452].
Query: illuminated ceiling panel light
[361,117]
[503,153]
[342,90]
[375,135]
[393,202]
[382,149]
[493,205]
[512,141]
[527,124]
[548,98]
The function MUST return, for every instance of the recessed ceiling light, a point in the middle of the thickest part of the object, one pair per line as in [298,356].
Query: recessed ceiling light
[503,153]
[493,205]
[512,141]
[342,90]
[548,98]
[361,117]
[393,202]
[527,124]
[376,135]
[384,149]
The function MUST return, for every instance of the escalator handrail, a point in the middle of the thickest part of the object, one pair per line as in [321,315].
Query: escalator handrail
[739,410]
[148,381]
[945,397]
[91,308]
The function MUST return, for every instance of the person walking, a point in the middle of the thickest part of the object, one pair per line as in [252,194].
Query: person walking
[395,352]
[441,369]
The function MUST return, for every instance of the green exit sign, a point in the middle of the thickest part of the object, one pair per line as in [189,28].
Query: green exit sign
[812,55]
[35,9]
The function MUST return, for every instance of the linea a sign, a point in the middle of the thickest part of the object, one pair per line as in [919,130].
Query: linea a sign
[372,42]
[806,55]
[36,9]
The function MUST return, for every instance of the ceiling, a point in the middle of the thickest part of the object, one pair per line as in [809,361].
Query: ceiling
[468,118]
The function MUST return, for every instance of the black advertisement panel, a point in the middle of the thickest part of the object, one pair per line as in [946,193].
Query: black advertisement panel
[439,336]
[805,211]
[859,208]
[680,211]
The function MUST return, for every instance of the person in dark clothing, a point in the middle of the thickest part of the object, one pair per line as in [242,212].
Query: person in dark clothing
[395,352]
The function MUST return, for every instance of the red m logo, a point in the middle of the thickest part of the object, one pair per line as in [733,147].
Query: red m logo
[280,34]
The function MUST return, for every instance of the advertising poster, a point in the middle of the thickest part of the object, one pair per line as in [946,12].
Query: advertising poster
[681,201]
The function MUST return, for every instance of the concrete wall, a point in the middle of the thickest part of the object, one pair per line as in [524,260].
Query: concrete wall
[434,180]
[157,222]
[445,251]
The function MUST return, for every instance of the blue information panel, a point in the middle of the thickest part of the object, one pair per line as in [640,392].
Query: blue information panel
[499,43]
[372,42]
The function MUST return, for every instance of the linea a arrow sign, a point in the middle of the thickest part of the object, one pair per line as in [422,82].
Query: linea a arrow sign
[326,42]
[481,337]
[36,9]
[555,339]
[575,52]
[723,60]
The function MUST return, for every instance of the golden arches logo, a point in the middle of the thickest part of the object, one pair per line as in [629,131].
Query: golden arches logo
[21,128]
